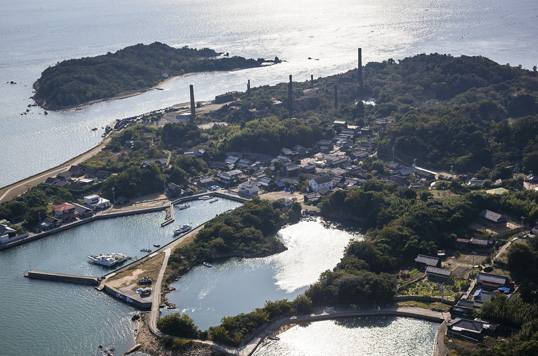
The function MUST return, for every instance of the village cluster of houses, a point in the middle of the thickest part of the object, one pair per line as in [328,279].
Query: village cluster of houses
[330,164]
[463,325]
[77,178]
[67,212]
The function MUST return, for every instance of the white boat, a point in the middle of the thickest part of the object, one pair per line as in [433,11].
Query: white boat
[213,200]
[207,264]
[109,259]
[205,197]
[182,229]
[184,206]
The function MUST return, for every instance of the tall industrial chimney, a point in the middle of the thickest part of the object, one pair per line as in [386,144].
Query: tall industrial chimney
[193,108]
[290,96]
[360,66]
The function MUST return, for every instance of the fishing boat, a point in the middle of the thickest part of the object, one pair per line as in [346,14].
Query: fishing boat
[109,259]
[145,250]
[213,200]
[184,206]
[182,229]
[156,245]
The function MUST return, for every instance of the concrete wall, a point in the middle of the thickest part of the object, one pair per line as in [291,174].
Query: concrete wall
[79,223]
[59,277]
[119,295]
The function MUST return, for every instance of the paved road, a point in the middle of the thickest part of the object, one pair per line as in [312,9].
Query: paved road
[15,189]
[323,314]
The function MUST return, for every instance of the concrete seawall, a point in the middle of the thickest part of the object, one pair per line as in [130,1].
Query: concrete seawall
[60,277]
[120,296]
[79,223]
[211,194]
[117,215]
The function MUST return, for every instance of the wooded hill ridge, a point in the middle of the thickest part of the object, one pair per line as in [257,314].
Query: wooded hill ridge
[133,69]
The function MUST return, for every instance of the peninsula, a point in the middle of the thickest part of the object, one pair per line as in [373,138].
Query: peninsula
[129,71]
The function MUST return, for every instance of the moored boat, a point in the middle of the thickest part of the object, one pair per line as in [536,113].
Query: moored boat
[182,229]
[207,264]
[184,206]
[109,259]
[213,200]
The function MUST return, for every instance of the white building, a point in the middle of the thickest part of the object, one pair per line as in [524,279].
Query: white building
[249,188]
[96,202]
[320,182]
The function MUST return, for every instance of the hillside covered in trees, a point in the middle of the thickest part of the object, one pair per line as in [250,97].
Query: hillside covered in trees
[133,69]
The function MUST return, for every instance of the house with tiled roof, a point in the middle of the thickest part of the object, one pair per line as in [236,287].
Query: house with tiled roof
[321,182]
[491,281]
[492,219]
[65,212]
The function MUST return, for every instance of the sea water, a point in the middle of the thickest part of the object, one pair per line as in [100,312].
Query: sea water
[38,34]
[52,318]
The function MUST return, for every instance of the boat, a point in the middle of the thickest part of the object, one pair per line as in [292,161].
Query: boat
[273,337]
[109,259]
[207,264]
[182,229]
[184,206]
[145,250]
[94,129]
[205,197]
[156,245]
[213,200]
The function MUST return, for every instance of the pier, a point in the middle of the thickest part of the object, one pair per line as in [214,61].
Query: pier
[169,216]
[61,277]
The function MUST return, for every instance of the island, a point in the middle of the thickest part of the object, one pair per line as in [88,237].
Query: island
[129,71]
[432,156]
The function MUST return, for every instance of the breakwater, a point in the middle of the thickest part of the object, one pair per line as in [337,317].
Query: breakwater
[61,277]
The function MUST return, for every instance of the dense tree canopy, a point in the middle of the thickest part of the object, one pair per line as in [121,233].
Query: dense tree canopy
[139,67]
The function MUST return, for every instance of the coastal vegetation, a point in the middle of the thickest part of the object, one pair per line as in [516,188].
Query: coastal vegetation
[133,69]
[247,231]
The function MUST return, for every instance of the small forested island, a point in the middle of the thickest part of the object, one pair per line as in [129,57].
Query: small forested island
[130,70]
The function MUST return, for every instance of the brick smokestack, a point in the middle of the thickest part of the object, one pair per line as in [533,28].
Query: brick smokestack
[193,107]
[360,67]
[290,95]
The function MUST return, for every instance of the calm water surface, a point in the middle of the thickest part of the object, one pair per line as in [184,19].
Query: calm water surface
[38,33]
[355,336]
[47,318]
[241,285]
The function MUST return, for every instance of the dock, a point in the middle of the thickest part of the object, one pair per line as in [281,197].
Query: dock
[61,277]
[169,216]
